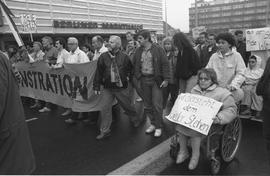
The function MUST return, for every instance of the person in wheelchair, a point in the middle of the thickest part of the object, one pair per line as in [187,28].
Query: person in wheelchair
[252,104]
[207,85]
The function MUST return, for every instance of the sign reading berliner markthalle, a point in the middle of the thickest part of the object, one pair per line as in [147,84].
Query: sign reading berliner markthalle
[94,25]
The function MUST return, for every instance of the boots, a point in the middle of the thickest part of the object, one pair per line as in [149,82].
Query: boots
[195,145]
[183,152]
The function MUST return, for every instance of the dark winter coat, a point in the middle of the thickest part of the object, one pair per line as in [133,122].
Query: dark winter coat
[103,71]
[241,48]
[16,155]
[263,87]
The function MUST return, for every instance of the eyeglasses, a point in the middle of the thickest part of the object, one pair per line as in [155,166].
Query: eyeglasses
[204,79]
[252,62]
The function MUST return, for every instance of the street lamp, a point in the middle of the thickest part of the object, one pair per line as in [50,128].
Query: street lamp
[267,13]
[166,23]
[196,14]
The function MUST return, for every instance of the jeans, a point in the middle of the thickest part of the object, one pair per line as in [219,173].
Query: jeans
[153,100]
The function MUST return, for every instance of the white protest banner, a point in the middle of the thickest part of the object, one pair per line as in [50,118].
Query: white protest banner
[258,39]
[194,111]
[197,30]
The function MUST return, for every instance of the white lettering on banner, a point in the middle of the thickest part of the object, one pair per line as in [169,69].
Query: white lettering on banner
[194,111]
[258,39]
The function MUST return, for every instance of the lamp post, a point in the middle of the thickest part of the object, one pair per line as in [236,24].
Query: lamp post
[267,13]
[196,14]
[166,23]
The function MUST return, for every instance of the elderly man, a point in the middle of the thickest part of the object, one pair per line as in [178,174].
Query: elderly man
[98,44]
[76,56]
[50,56]
[16,155]
[114,72]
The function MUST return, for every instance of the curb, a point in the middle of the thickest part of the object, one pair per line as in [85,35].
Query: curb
[151,162]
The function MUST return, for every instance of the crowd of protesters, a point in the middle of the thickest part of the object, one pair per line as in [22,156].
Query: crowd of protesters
[218,66]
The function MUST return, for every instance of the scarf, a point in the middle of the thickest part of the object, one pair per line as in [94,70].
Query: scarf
[256,72]
[115,76]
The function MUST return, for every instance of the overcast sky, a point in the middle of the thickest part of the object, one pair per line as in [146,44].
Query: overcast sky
[177,13]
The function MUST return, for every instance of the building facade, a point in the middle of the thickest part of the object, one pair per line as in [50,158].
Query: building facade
[84,17]
[225,15]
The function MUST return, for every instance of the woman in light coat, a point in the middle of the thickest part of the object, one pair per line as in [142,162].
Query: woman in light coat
[229,66]
[207,86]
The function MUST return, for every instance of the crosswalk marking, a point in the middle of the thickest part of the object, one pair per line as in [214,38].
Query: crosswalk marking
[29,120]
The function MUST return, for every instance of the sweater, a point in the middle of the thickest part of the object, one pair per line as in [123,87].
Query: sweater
[160,63]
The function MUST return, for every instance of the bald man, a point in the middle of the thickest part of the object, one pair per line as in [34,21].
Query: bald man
[16,155]
[114,73]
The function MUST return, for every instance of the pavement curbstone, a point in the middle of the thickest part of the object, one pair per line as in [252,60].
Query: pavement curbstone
[151,162]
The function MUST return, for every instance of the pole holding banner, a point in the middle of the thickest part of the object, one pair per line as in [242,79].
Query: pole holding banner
[7,14]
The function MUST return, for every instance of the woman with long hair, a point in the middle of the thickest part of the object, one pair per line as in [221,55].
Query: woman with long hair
[188,63]
[172,88]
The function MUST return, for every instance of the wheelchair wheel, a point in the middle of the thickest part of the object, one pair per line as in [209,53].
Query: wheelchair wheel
[231,139]
[175,147]
[215,166]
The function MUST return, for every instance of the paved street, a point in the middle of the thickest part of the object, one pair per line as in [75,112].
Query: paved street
[63,149]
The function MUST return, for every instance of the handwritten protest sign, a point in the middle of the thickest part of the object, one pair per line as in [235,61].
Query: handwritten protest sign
[29,22]
[195,112]
[258,39]
[197,30]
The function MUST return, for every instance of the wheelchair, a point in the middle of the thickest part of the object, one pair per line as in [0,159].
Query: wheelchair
[220,146]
